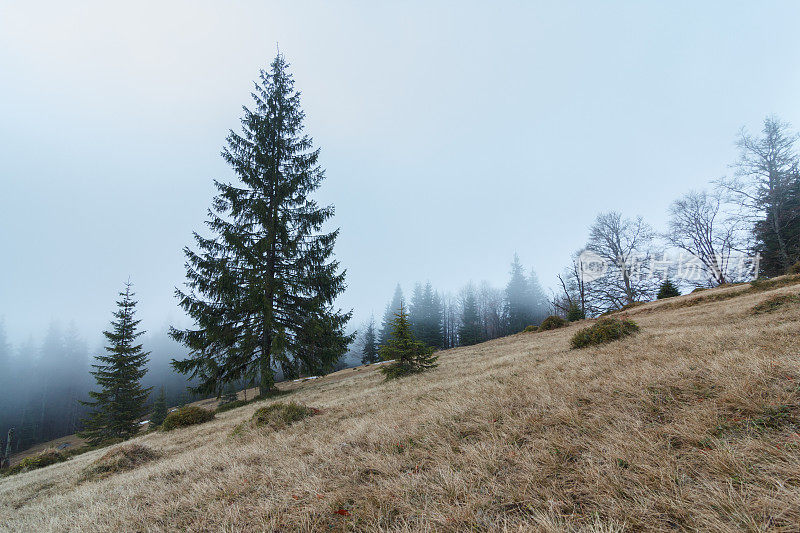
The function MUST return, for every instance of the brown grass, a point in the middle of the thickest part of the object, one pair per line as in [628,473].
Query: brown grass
[692,425]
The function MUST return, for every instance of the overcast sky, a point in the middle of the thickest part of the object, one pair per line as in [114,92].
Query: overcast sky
[453,133]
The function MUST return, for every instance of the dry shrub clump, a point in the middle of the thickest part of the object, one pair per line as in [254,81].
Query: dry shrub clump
[186,416]
[774,303]
[604,330]
[46,457]
[120,459]
[552,322]
[280,415]
[530,329]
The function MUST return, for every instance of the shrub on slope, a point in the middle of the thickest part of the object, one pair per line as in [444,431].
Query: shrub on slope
[280,415]
[119,459]
[604,330]
[667,290]
[186,416]
[552,322]
[46,457]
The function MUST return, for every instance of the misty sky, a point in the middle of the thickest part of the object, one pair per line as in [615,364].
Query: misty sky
[453,133]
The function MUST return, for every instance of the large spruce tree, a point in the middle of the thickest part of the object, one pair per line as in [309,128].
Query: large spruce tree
[120,402]
[261,289]
[779,231]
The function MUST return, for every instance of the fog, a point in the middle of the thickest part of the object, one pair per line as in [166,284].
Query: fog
[453,135]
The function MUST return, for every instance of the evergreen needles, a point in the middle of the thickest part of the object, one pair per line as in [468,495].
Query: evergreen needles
[120,402]
[409,356]
[159,409]
[261,288]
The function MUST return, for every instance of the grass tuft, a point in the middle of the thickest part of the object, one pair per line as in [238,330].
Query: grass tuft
[765,284]
[46,457]
[186,416]
[604,330]
[121,459]
[280,415]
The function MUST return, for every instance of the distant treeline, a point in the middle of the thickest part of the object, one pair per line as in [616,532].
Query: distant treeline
[43,382]
[475,314]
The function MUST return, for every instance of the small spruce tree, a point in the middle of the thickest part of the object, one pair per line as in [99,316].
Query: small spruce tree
[120,402]
[574,312]
[369,352]
[667,290]
[409,356]
[159,409]
[230,393]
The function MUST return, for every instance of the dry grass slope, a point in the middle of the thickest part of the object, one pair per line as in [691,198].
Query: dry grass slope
[690,424]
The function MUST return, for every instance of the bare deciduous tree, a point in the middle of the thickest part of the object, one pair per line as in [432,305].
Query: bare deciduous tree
[450,310]
[574,286]
[625,245]
[490,307]
[697,226]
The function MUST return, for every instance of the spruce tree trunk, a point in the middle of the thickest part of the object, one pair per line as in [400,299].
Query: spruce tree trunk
[784,254]
[267,380]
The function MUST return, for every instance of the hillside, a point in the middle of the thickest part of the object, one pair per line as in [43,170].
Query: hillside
[691,423]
